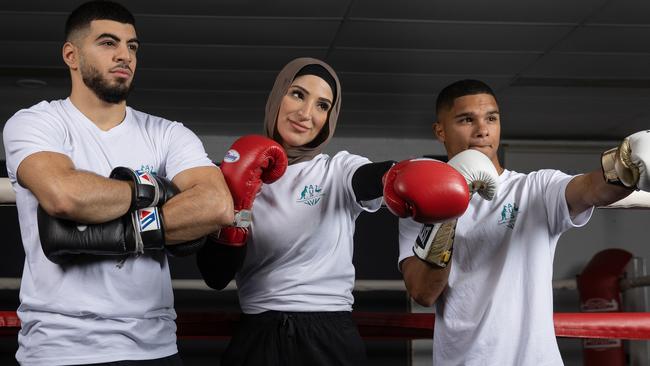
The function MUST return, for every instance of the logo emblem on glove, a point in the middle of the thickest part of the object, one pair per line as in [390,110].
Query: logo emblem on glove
[144,177]
[149,219]
[231,156]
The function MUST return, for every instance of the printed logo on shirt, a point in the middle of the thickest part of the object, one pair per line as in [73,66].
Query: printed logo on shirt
[147,169]
[509,215]
[311,195]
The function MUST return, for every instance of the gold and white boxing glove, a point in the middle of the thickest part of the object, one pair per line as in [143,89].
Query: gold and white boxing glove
[479,172]
[627,165]
[435,243]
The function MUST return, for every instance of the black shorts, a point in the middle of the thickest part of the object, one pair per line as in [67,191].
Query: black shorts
[291,339]
[173,360]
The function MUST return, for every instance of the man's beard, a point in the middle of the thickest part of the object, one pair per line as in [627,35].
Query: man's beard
[113,94]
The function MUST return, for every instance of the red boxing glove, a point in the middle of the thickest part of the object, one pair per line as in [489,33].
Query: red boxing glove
[251,161]
[427,190]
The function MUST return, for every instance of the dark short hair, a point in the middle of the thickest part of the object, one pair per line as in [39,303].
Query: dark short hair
[81,17]
[459,89]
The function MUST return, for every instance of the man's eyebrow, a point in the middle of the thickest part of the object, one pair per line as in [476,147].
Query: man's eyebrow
[470,114]
[464,114]
[116,38]
[108,35]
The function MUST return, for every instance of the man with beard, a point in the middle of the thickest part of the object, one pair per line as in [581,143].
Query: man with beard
[97,178]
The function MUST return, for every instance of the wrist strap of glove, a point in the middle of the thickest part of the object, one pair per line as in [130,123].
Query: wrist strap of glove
[137,238]
[608,162]
[618,167]
[149,229]
[145,191]
[243,218]
[434,244]
[235,234]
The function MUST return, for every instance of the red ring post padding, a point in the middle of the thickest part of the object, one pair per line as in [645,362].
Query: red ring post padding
[9,323]
[404,326]
[600,291]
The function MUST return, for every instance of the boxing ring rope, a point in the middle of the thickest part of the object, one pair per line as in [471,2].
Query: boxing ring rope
[625,283]
[7,194]
[401,326]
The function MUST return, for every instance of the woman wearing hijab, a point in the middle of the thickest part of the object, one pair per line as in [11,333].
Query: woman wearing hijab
[295,274]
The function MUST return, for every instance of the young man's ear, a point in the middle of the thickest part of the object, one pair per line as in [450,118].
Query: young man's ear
[70,55]
[438,131]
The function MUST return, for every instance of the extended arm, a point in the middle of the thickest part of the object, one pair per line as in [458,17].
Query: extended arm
[367,180]
[251,161]
[624,169]
[588,190]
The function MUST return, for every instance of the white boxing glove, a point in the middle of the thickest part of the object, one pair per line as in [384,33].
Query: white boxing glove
[479,172]
[627,164]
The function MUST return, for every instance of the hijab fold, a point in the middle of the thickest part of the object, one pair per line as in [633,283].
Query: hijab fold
[280,88]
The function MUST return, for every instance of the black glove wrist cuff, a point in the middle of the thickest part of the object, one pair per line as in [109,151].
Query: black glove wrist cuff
[149,228]
[145,192]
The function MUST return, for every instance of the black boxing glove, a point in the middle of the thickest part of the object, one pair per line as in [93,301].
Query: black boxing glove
[186,248]
[148,189]
[132,233]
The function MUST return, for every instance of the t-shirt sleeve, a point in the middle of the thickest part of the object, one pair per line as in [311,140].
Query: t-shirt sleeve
[30,131]
[409,230]
[185,151]
[347,164]
[554,184]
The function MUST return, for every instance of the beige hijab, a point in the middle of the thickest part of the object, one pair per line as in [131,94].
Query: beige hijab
[282,83]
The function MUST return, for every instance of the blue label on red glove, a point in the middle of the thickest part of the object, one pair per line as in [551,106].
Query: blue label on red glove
[231,156]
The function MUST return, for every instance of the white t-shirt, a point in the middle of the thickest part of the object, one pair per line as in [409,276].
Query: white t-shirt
[498,307]
[99,311]
[299,254]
